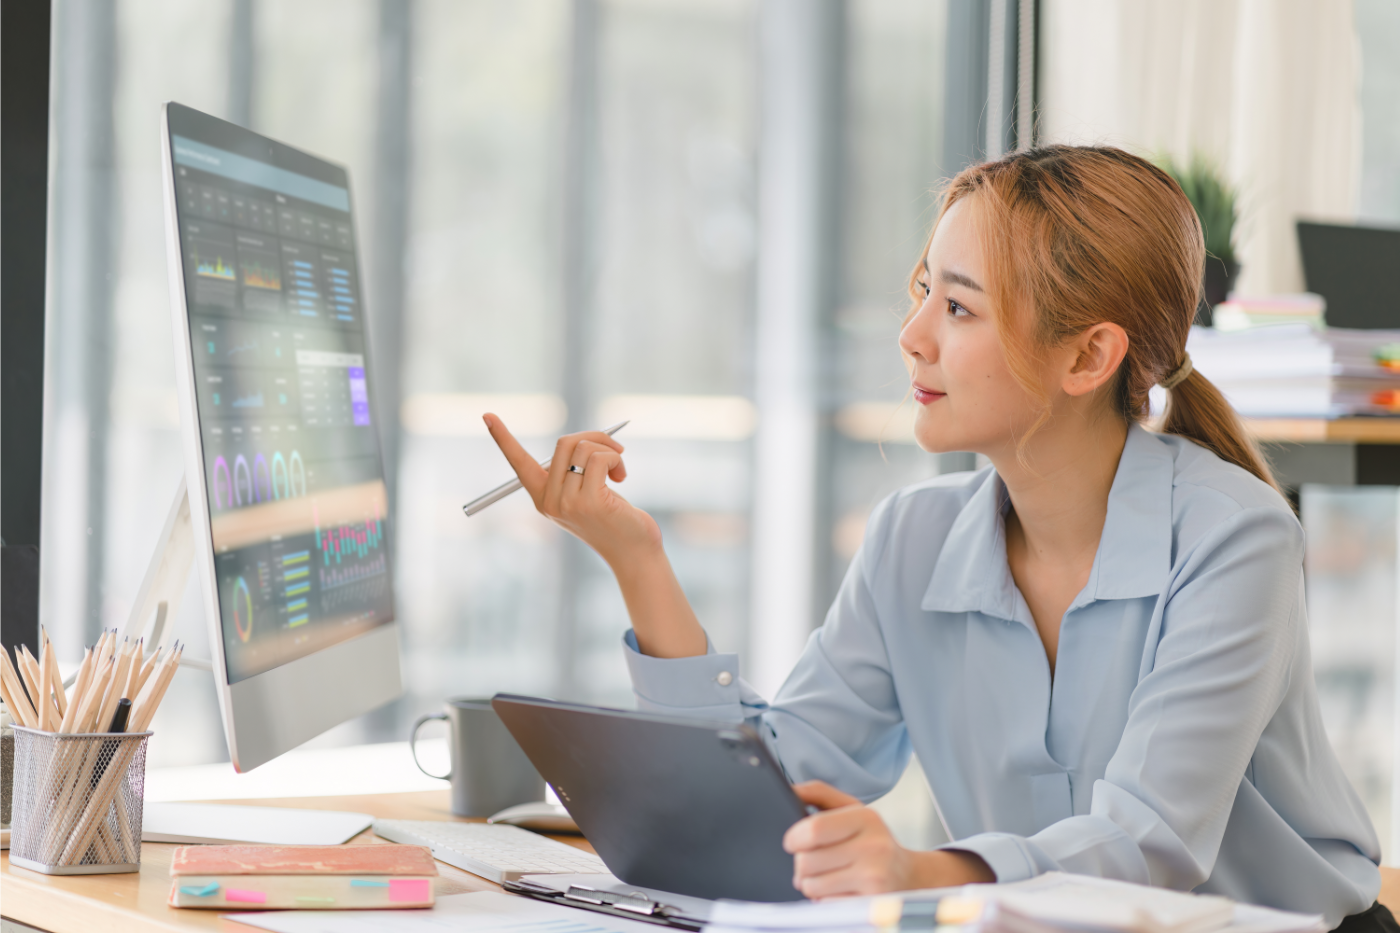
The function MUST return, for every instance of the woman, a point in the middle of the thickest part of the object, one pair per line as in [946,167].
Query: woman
[1097,646]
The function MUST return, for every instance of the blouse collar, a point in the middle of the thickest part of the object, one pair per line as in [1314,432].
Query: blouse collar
[1135,549]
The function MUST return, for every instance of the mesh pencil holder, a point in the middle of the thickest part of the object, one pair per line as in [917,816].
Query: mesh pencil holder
[77,802]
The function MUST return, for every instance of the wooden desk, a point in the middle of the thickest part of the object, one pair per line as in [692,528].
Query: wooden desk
[136,902]
[1319,430]
[1340,452]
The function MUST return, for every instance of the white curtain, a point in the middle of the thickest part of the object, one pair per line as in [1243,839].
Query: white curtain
[1269,89]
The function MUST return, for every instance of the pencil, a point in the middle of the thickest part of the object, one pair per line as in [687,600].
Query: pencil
[29,673]
[144,710]
[146,670]
[114,689]
[79,687]
[87,712]
[55,678]
[15,700]
[44,702]
[134,674]
[18,701]
[34,680]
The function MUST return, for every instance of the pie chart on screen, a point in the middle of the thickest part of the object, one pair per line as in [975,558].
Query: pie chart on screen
[242,610]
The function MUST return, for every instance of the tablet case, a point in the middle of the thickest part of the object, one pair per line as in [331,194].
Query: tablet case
[682,805]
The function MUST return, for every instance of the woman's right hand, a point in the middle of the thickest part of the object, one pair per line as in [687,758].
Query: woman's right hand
[584,505]
[622,534]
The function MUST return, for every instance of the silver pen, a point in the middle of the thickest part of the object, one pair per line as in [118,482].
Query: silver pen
[505,489]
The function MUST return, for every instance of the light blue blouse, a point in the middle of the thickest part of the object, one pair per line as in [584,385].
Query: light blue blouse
[1179,742]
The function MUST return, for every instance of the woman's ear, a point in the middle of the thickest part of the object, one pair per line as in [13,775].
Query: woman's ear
[1098,352]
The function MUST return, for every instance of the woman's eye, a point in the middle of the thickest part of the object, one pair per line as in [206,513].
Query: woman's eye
[923,286]
[957,310]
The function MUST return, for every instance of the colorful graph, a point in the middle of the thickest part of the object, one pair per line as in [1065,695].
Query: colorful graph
[260,481]
[332,577]
[242,610]
[212,268]
[342,299]
[303,293]
[258,274]
[296,583]
[349,552]
[355,595]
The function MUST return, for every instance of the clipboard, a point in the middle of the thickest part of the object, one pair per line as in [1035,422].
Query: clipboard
[633,906]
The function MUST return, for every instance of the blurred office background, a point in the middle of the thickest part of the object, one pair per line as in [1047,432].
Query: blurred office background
[697,214]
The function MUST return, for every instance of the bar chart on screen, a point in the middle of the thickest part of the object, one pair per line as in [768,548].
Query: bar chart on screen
[344,544]
[352,568]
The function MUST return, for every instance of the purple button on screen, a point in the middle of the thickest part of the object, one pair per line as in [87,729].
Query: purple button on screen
[359,395]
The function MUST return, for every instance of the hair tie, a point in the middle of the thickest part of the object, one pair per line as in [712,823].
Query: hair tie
[1177,376]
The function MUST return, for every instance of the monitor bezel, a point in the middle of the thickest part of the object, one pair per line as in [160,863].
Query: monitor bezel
[272,712]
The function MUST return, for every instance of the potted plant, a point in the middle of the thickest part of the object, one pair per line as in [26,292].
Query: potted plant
[1217,207]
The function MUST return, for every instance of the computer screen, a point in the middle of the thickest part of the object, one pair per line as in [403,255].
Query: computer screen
[1354,269]
[293,480]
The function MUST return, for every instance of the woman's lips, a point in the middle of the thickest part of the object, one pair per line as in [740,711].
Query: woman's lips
[926,396]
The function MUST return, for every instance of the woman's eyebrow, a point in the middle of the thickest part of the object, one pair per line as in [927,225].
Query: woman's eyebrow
[957,278]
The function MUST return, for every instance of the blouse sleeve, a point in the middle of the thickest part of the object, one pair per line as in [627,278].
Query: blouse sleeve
[1227,639]
[835,719]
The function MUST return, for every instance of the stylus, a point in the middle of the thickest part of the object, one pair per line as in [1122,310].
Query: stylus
[500,492]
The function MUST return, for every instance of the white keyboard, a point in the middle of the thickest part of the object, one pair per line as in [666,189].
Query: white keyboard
[492,850]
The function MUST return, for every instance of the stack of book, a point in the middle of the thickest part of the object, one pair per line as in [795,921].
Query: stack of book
[1299,371]
[1242,312]
[353,877]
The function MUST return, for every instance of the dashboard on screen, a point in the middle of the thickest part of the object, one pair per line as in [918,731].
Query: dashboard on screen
[292,472]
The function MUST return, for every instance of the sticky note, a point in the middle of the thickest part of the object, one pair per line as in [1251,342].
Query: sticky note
[409,889]
[205,891]
[364,883]
[244,896]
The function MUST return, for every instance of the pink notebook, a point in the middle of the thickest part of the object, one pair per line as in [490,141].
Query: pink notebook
[302,877]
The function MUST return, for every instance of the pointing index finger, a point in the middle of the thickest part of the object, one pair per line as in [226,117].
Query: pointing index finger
[532,475]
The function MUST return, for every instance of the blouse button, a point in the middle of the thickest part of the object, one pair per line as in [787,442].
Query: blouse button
[724,678]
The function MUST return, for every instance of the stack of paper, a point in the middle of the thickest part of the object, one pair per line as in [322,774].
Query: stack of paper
[1050,903]
[1243,312]
[1296,371]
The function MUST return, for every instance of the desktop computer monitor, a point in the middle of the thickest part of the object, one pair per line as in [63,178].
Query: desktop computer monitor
[285,479]
[1353,268]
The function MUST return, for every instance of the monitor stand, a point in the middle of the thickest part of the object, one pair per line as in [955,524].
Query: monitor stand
[155,607]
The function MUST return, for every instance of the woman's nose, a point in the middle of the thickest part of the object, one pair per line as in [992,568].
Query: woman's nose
[918,338]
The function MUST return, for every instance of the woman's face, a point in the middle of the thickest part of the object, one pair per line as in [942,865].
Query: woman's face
[966,397]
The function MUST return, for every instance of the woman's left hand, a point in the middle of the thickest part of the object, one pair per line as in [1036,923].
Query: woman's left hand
[848,850]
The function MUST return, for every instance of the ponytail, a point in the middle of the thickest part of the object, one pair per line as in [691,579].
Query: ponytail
[1078,235]
[1197,411]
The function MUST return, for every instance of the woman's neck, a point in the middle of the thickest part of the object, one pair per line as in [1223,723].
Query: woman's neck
[1059,495]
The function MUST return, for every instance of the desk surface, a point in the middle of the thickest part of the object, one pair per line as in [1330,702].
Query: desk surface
[136,901]
[1319,430]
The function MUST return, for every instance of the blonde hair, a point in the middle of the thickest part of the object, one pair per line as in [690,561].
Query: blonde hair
[1079,235]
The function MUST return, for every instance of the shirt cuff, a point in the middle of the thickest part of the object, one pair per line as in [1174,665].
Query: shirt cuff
[1004,854]
[704,686]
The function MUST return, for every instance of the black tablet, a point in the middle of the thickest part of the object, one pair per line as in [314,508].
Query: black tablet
[681,805]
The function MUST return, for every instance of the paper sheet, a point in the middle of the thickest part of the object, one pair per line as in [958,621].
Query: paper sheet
[482,912]
[1052,901]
